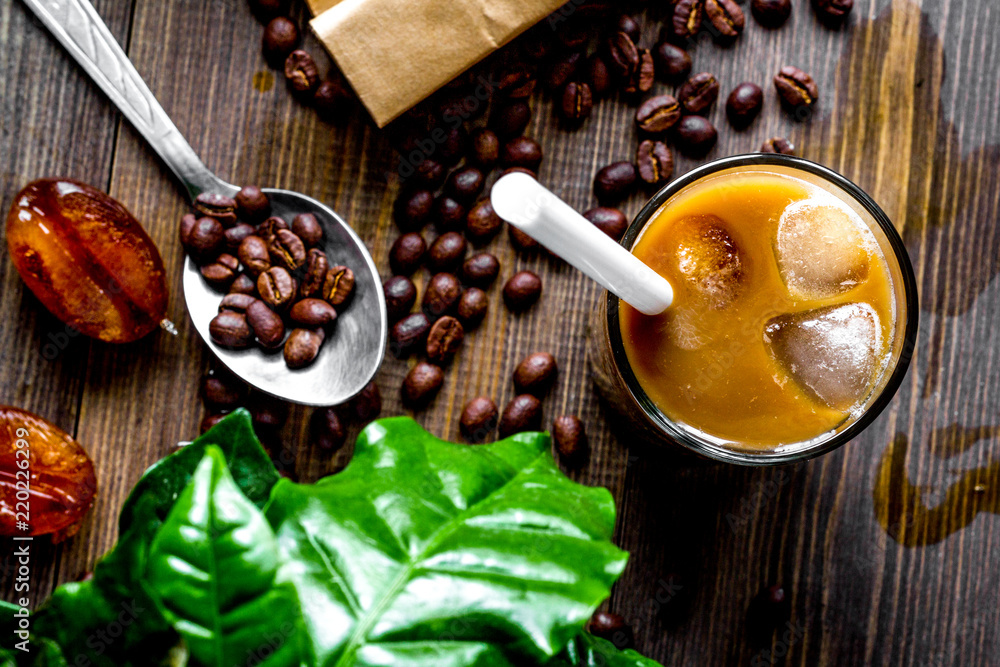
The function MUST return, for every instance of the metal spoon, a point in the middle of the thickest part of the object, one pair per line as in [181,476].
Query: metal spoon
[352,354]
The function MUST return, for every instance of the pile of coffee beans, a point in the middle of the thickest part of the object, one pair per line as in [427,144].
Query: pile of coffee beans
[280,291]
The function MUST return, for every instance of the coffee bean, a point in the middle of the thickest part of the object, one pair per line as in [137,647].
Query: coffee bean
[276,287]
[302,347]
[482,223]
[610,627]
[254,255]
[569,437]
[367,405]
[472,307]
[695,136]
[407,253]
[268,9]
[687,18]
[577,102]
[562,71]
[522,290]
[655,161]
[413,209]
[726,18]
[281,36]
[517,83]
[202,239]
[444,340]
[833,12]
[611,221]
[522,241]
[429,175]
[699,92]
[252,205]
[308,229]
[338,287]
[481,270]
[522,152]
[221,273]
[511,120]
[796,89]
[238,303]
[454,146]
[333,100]
[644,76]
[312,313]
[658,114]
[287,250]
[230,329]
[326,429]
[422,384]
[267,411]
[409,334]
[448,213]
[234,235]
[400,295]
[446,253]
[315,274]
[623,56]
[523,413]
[535,374]
[441,295]
[479,418]
[267,229]
[744,104]
[771,13]
[778,145]
[217,206]
[301,72]
[209,421]
[629,26]
[266,324]
[615,181]
[485,149]
[598,75]
[769,610]
[672,62]
[465,184]
[243,284]
[222,391]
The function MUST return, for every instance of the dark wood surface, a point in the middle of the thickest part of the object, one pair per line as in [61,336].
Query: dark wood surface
[888,548]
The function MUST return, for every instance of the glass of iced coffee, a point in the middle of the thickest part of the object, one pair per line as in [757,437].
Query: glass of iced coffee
[793,321]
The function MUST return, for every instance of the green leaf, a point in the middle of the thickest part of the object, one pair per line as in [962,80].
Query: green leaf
[589,651]
[427,553]
[211,569]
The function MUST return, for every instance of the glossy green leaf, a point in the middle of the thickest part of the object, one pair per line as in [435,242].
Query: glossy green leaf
[427,553]
[589,651]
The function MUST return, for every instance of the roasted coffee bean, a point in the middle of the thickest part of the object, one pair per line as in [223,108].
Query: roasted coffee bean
[235,235]
[422,384]
[480,270]
[188,221]
[267,411]
[209,421]
[769,610]
[535,374]
[577,102]
[687,18]
[833,12]
[699,92]
[778,145]
[611,627]
[611,221]
[441,294]
[243,284]
[522,241]
[570,437]
[485,149]
[301,72]
[672,62]
[598,76]
[629,26]
[302,347]
[522,152]
[252,205]
[563,71]
[202,239]
[268,9]
[281,36]
[230,329]
[413,209]
[482,223]
[221,273]
[429,175]
[267,229]
[726,19]
[333,100]
[409,334]
[644,76]
[338,287]
[449,213]
[276,287]
[254,255]
[446,253]
[510,120]
[407,253]
[472,307]
[465,184]
[400,295]
[222,391]
[519,170]
[655,162]
[623,56]
[523,413]
[615,181]
[312,313]
[517,83]
[367,405]
[308,229]
[286,249]
[796,89]
[327,430]
[444,340]
[658,114]
[217,206]
[454,146]
[744,104]
[771,13]
[267,325]
[695,136]
[238,303]
[479,419]
[522,290]
[315,273]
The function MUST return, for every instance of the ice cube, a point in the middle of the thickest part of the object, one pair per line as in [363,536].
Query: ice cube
[821,250]
[708,259]
[832,352]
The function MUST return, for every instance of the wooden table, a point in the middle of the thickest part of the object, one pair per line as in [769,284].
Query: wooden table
[910,110]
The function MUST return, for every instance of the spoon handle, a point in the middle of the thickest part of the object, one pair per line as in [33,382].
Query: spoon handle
[78,27]
[523,202]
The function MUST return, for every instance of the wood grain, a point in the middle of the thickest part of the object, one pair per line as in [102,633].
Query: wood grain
[909,109]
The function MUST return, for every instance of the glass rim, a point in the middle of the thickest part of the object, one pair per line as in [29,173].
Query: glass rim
[704,446]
